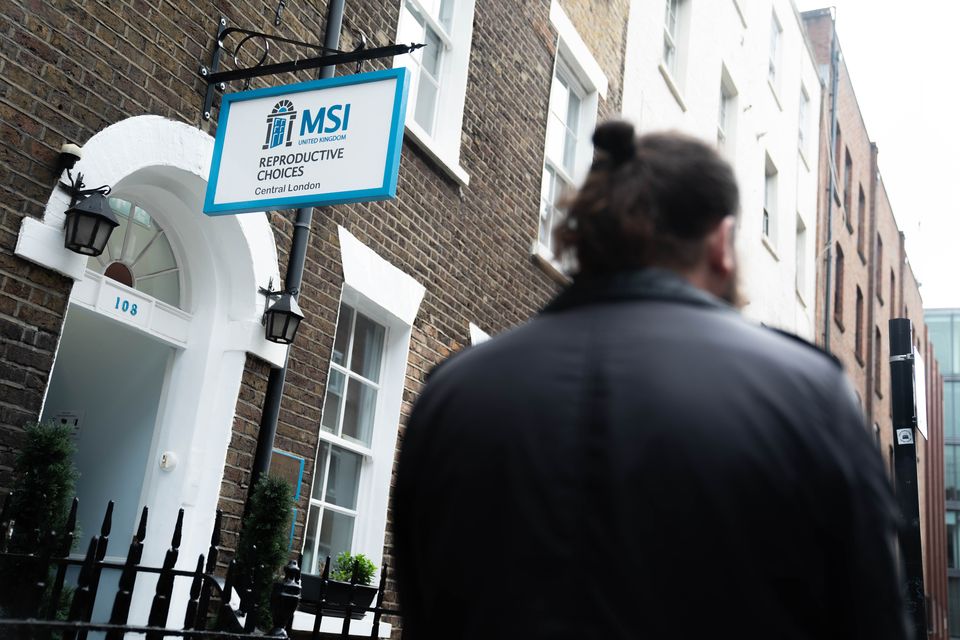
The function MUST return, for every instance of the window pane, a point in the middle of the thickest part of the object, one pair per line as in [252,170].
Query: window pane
[950,471]
[409,29]
[336,535]
[358,412]
[164,287]
[367,348]
[952,540]
[559,97]
[343,479]
[446,14]
[953,625]
[310,540]
[426,102]
[546,207]
[432,53]
[951,408]
[320,471]
[570,135]
[556,135]
[955,365]
[333,401]
[344,323]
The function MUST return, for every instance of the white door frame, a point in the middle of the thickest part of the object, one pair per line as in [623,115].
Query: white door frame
[224,260]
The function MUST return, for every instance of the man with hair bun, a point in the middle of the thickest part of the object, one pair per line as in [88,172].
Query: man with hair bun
[638,460]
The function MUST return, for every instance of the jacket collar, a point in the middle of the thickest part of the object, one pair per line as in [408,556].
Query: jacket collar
[644,284]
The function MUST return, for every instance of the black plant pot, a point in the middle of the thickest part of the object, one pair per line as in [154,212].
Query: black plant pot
[336,597]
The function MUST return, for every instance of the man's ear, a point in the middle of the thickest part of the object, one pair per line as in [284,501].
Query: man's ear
[721,255]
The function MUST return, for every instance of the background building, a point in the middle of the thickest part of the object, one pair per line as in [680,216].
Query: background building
[945,334]
[864,279]
[740,75]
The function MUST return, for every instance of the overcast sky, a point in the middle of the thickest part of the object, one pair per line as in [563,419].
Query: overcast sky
[903,64]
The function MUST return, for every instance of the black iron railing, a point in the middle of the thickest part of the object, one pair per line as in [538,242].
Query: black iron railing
[40,560]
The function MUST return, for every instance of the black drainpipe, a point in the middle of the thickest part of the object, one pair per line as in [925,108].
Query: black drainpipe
[835,82]
[292,283]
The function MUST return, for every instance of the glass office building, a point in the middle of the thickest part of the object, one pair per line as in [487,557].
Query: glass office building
[944,325]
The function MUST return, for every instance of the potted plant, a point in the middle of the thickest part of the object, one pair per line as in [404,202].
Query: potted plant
[353,574]
[263,544]
[38,507]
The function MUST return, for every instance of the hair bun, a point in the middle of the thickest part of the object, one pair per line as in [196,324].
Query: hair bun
[617,139]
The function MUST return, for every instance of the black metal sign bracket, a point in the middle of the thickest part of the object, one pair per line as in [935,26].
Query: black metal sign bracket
[217,79]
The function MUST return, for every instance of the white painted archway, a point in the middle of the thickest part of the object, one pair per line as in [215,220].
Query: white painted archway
[223,261]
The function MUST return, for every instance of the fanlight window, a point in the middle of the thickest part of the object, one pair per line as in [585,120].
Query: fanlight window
[139,254]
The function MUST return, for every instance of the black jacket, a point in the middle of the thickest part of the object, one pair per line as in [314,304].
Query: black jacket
[639,461]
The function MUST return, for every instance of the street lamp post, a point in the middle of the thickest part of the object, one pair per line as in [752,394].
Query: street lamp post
[905,465]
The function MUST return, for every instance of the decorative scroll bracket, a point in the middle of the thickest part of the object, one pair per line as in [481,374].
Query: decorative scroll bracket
[217,79]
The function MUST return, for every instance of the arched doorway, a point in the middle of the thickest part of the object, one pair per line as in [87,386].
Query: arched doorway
[178,361]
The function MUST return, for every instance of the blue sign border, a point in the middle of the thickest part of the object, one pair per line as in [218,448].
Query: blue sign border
[387,190]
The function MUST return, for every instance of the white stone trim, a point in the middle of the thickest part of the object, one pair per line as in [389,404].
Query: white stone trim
[477,335]
[378,280]
[576,53]
[390,297]
[223,261]
[444,145]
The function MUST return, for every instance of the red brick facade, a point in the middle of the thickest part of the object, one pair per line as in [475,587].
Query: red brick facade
[856,220]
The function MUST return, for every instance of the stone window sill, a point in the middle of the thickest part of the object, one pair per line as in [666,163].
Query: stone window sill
[770,247]
[672,85]
[544,259]
[421,139]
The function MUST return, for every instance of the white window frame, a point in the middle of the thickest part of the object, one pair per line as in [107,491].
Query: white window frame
[673,67]
[443,144]
[671,35]
[800,260]
[573,58]
[727,114]
[803,125]
[775,55]
[769,222]
[391,298]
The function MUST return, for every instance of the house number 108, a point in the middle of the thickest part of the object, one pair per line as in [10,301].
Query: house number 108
[125,306]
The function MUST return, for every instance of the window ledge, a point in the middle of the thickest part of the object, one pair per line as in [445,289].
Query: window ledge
[803,157]
[839,323]
[452,168]
[847,222]
[770,247]
[542,257]
[800,299]
[672,85]
[739,9]
[863,258]
[775,94]
[859,359]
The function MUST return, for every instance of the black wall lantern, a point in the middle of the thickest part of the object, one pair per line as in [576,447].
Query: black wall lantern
[90,221]
[282,318]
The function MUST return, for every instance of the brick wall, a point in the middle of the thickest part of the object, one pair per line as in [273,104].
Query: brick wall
[867,266]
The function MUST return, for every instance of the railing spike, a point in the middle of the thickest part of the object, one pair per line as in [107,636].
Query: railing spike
[190,616]
[377,610]
[71,525]
[177,531]
[107,520]
[141,533]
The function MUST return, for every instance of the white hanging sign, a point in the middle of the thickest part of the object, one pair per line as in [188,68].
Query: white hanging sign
[311,144]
